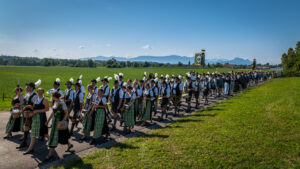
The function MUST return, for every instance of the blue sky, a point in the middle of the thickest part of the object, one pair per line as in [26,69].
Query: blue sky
[261,29]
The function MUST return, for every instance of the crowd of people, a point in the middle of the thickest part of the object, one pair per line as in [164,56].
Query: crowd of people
[126,103]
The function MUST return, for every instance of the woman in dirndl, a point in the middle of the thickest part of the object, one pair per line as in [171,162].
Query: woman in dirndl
[59,130]
[89,116]
[39,119]
[129,109]
[147,104]
[100,117]
[15,121]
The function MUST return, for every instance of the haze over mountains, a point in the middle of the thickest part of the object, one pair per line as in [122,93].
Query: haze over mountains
[173,59]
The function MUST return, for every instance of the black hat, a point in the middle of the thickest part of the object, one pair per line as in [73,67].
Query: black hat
[56,83]
[78,84]
[105,79]
[69,82]
[116,82]
[142,81]
[152,81]
[94,80]
[31,84]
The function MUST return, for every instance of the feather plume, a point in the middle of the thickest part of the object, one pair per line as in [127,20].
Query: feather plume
[37,83]
[71,80]
[156,79]
[80,81]
[145,73]
[124,84]
[98,79]
[155,75]
[116,76]
[167,76]
[80,77]
[109,78]
[57,80]
[144,78]
[121,74]
[180,76]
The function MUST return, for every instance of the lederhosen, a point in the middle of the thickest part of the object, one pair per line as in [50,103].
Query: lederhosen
[190,92]
[76,105]
[14,124]
[197,93]
[28,121]
[176,98]
[58,136]
[116,100]
[165,100]
[206,88]
[68,103]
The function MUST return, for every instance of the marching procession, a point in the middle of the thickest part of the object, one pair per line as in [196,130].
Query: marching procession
[126,103]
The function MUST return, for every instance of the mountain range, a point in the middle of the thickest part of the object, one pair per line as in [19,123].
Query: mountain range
[172,59]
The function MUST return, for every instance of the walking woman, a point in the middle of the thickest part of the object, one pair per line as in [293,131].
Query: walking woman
[100,117]
[59,131]
[129,109]
[88,117]
[39,119]
[14,123]
[147,104]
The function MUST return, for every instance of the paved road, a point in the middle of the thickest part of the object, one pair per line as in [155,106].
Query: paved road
[14,158]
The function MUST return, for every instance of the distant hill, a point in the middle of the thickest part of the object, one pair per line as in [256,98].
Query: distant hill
[173,59]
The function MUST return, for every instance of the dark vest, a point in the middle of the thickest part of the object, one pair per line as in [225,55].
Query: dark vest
[77,101]
[29,102]
[39,106]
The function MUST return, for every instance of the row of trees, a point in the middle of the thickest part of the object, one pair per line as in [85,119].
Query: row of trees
[112,63]
[291,61]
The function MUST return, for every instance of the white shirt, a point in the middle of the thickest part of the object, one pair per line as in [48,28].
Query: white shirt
[104,100]
[106,90]
[167,91]
[113,93]
[82,89]
[71,93]
[33,99]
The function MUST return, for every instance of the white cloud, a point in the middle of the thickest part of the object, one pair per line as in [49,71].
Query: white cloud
[147,47]
[81,47]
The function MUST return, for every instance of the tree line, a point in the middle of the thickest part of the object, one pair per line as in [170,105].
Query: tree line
[112,63]
[291,61]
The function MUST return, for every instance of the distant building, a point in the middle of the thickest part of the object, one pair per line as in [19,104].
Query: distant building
[200,58]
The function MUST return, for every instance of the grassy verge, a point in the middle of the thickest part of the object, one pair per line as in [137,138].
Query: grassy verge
[256,129]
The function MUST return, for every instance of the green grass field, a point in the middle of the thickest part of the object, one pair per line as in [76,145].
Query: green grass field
[10,75]
[258,128]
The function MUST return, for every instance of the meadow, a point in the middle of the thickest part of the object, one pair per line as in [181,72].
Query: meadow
[258,128]
[9,76]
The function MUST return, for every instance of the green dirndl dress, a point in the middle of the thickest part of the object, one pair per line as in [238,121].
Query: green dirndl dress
[35,126]
[58,136]
[146,110]
[129,115]
[99,122]
[14,124]
[87,121]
